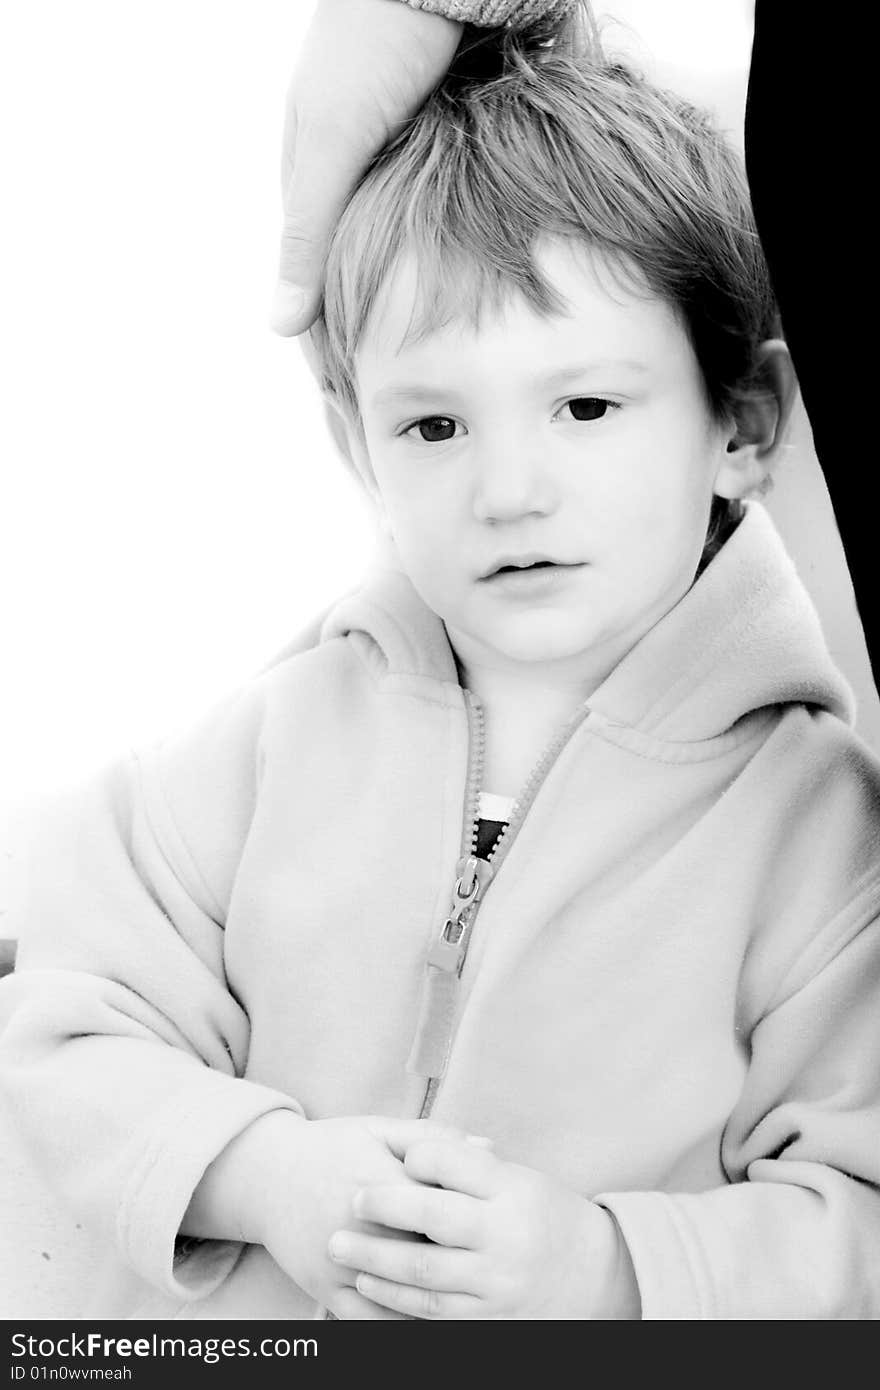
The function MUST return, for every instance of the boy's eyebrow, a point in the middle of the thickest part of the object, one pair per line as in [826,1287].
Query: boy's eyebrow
[569,374]
[400,394]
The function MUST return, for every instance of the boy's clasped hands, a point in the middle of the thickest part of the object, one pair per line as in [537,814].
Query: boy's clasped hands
[503,1241]
[410,1219]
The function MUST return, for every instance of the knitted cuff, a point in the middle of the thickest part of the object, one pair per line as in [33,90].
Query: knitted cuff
[488,13]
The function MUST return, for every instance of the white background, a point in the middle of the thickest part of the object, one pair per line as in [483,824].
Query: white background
[172,512]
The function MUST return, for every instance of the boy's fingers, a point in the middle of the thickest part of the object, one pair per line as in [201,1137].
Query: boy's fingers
[468,1168]
[422,1304]
[400,1134]
[447,1218]
[421,1264]
[351,1306]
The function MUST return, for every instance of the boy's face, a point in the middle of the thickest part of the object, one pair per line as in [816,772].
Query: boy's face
[547,480]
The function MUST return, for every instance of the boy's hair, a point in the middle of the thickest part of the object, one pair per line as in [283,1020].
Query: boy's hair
[533,136]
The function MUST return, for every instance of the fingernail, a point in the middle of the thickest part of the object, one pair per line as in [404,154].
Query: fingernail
[357,1201]
[339,1247]
[287,307]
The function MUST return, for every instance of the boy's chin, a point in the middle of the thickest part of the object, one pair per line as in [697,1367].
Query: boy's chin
[538,645]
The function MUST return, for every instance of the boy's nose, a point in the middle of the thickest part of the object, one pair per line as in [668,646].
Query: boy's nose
[512,481]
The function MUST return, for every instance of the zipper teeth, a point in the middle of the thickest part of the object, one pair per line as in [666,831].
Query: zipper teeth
[470,828]
[532,785]
[471,821]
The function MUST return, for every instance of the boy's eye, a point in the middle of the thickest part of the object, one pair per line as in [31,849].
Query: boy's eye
[587,407]
[434,429]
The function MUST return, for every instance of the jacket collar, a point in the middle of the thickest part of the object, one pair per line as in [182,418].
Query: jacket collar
[745,636]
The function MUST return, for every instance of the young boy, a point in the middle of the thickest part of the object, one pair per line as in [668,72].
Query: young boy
[554,835]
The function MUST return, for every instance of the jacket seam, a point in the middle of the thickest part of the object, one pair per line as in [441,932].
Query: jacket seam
[186,874]
[704,750]
[855,916]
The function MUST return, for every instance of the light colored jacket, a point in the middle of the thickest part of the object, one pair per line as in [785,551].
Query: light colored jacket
[671,993]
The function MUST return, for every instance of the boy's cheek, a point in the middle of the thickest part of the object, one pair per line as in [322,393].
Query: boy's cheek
[356,450]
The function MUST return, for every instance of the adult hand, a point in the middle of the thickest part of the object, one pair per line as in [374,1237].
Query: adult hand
[365,68]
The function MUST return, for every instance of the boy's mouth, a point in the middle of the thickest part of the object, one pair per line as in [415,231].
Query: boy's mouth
[526,564]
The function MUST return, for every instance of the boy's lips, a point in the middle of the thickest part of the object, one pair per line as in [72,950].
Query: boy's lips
[521,565]
[521,581]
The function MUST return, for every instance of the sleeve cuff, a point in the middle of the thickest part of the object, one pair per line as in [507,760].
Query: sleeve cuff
[195,1130]
[665,1260]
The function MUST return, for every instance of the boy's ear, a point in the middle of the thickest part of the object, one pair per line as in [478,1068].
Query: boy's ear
[758,433]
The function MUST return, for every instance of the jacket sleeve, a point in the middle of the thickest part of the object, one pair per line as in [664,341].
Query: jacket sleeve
[796,1234]
[124,1049]
[487,13]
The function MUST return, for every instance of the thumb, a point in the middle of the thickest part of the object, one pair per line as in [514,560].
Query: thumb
[326,165]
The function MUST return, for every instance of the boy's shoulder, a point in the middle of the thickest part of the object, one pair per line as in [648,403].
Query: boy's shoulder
[824,762]
[815,802]
[379,626]
[206,775]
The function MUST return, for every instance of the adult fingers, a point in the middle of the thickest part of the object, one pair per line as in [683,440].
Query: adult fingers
[364,69]
[448,1218]
[445,1161]
[419,1264]
[328,163]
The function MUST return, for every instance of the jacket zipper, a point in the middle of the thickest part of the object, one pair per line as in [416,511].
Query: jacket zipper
[474,876]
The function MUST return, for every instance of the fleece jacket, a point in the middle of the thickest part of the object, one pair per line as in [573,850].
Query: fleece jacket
[671,997]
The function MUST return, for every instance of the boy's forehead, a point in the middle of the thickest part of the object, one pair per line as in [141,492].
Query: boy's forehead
[602,308]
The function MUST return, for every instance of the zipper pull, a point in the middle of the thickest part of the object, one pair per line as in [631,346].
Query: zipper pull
[449,950]
[437,1012]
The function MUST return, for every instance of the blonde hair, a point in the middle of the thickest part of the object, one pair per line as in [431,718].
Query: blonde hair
[535,135]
